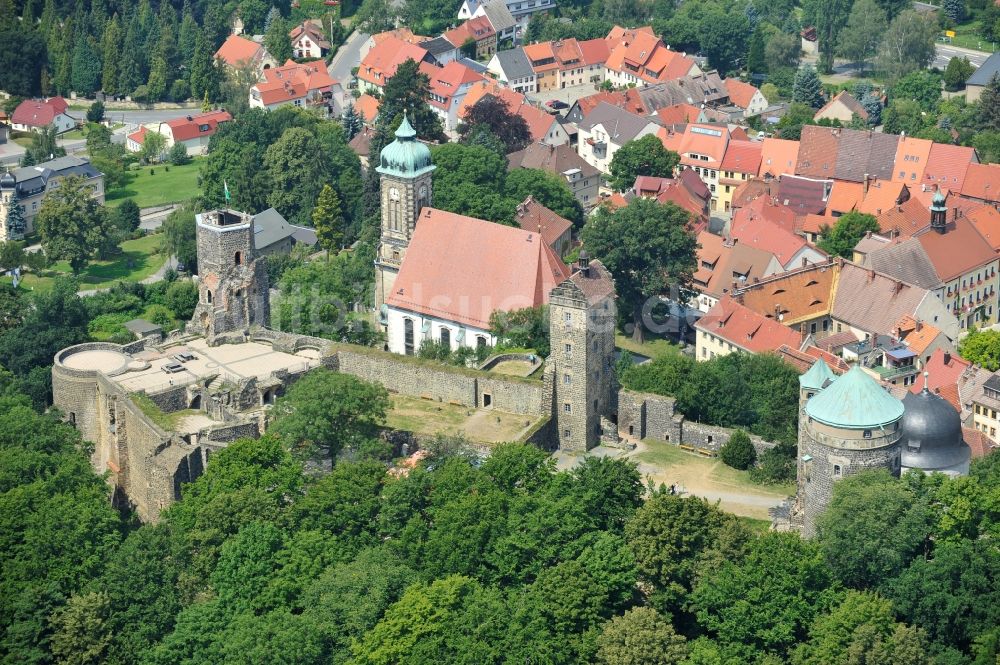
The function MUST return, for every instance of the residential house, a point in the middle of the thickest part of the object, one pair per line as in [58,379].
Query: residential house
[746,97]
[36,115]
[272,234]
[846,154]
[382,60]
[441,51]
[309,40]
[682,114]
[638,57]
[800,299]
[921,338]
[724,264]
[982,183]
[544,128]
[306,85]
[507,28]
[563,161]
[361,145]
[981,78]
[986,406]
[543,62]
[946,169]
[740,163]
[448,87]
[556,231]
[134,140]
[843,107]
[520,10]
[239,52]
[503,268]
[964,386]
[686,191]
[953,260]
[568,63]
[752,226]
[778,157]
[702,149]
[477,31]
[366,106]
[730,327]
[32,183]
[513,68]
[402,34]
[605,130]
[912,156]
[706,89]
[194,131]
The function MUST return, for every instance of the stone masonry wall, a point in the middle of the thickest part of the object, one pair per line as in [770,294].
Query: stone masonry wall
[654,417]
[172,399]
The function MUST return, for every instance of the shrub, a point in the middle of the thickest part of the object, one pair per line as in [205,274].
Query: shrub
[181,298]
[159,315]
[179,155]
[739,452]
[777,465]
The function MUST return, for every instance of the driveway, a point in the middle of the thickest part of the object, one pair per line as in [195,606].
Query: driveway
[347,57]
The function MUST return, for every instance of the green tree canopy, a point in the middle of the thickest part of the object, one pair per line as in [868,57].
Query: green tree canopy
[908,46]
[981,347]
[644,156]
[738,452]
[648,249]
[330,412]
[846,232]
[860,38]
[807,89]
[73,225]
[494,114]
[328,220]
[641,636]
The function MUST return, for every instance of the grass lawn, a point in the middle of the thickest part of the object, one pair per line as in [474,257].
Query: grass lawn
[651,348]
[178,184]
[967,36]
[166,421]
[429,417]
[139,260]
[23,141]
[709,470]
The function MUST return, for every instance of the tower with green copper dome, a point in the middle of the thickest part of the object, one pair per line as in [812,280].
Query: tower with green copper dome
[847,424]
[405,168]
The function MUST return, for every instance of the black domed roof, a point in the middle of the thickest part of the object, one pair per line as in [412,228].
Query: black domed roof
[932,433]
[8,181]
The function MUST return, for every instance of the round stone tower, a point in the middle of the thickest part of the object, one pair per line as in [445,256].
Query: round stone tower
[932,436]
[848,424]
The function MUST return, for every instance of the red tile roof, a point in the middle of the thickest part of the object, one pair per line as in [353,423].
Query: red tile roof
[533,216]
[189,127]
[678,114]
[746,329]
[982,181]
[797,295]
[845,196]
[477,29]
[903,220]
[641,49]
[740,93]
[958,251]
[778,157]
[383,59]
[293,81]
[367,108]
[916,340]
[947,165]
[980,444]
[37,112]
[311,29]
[594,51]
[742,157]
[539,122]
[848,101]
[986,219]
[943,369]
[802,361]
[445,82]
[139,135]
[882,195]
[237,51]
[911,159]
[501,268]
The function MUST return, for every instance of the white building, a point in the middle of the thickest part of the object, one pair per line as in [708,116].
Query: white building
[606,129]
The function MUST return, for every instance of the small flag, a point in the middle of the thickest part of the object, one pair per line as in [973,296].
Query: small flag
[225,187]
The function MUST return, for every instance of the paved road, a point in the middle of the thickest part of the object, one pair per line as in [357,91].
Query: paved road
[945,52]
[152,218]
[347,57]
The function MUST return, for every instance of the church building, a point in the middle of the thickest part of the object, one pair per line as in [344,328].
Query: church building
[440,275]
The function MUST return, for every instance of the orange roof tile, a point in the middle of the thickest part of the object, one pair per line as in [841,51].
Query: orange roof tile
[903,220]
[402,34]
[383,59]
[139,135]
[746,329]
[911,159]
[943,369]
[916,335]
[796,295]
[845,196]
[740,93]
[719,263]
[447,81]
[533,216]
[594,51]
[503,268]
[778,157]
[477,29]
[947,165]
[742,157]
[982,181]
[193,126]
[539,122]
[678,114]
[883,195]
[236,51]
[957,251]
[980,444]
[294,81]
[367,107]
[986,219]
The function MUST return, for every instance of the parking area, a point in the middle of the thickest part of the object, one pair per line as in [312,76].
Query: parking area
[568,95]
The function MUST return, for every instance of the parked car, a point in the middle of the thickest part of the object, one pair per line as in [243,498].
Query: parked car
[556,104]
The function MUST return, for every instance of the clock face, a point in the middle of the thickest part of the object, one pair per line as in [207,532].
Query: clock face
[393,193]
[423,192]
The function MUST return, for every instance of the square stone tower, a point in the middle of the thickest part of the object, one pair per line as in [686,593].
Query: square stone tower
[406,171]
[582,319]
[232,286]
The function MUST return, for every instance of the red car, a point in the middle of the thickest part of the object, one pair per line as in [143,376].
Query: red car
[556,104]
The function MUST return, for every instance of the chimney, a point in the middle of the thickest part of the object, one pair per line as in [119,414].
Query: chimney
[919,325]
[867,180]
[897,287]
[583,263]
[805,261]
[871,274]
[947,357]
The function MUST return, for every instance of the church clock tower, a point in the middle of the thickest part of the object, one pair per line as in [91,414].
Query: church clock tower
[405,169]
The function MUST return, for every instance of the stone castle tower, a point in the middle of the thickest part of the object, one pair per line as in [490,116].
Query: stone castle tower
[233,287]
[405,168]
[582,320]
[847,425]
